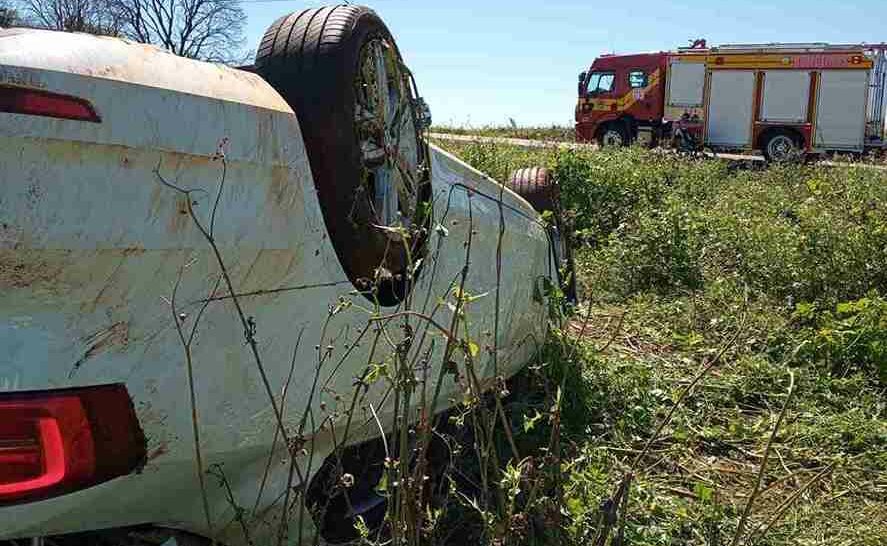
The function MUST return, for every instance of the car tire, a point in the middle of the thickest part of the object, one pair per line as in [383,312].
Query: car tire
[539,188]
[339,68]
[336,509]
[781,146]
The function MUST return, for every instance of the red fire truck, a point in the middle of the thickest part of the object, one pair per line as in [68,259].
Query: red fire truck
[781,99]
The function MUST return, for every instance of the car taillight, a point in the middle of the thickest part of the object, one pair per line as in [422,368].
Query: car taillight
[59,441]
[36,102]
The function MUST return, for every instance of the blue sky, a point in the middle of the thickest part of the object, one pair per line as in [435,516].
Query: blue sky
[481,62]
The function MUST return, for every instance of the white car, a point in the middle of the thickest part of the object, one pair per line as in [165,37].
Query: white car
[194,260]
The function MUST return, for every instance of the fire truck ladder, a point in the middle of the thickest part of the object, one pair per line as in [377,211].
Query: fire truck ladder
[812,47]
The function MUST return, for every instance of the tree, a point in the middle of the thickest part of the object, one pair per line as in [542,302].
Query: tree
[8,15]
[201,29]
[92,16]
[210,30]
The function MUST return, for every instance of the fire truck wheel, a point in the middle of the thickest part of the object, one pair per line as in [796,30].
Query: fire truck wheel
[781,145]
[613,134]
[340,70]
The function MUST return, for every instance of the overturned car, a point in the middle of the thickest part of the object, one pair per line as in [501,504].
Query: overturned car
[215,283]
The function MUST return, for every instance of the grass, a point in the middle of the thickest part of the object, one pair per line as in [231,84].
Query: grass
[783,270]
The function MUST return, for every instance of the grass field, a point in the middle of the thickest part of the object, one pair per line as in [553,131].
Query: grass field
[771,280]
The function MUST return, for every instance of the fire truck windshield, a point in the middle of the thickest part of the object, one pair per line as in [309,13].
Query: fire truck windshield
[600,82]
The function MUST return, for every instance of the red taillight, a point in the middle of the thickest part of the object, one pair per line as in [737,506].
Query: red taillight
[56,442]
[36,102]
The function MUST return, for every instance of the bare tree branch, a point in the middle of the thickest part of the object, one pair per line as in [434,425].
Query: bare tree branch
[9,16]
[92,16]
[211,30]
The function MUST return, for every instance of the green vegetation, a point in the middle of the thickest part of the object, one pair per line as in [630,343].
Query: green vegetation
[773,276]
[551,133]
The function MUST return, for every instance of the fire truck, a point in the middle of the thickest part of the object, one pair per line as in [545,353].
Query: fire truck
[785,100]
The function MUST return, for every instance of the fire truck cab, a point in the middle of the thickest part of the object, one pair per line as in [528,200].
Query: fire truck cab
[784,100]
[621,100]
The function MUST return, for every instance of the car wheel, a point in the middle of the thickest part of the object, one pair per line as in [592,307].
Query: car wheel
[538,186]
[613,135]
[781,146]
[350,486]
[361,121]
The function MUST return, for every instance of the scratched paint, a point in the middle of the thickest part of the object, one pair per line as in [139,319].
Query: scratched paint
[92,245]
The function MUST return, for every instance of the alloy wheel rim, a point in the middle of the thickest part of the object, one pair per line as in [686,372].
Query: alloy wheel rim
[388,136]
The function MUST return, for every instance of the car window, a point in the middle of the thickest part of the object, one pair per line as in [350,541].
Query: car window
[637,78]
[600,82]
